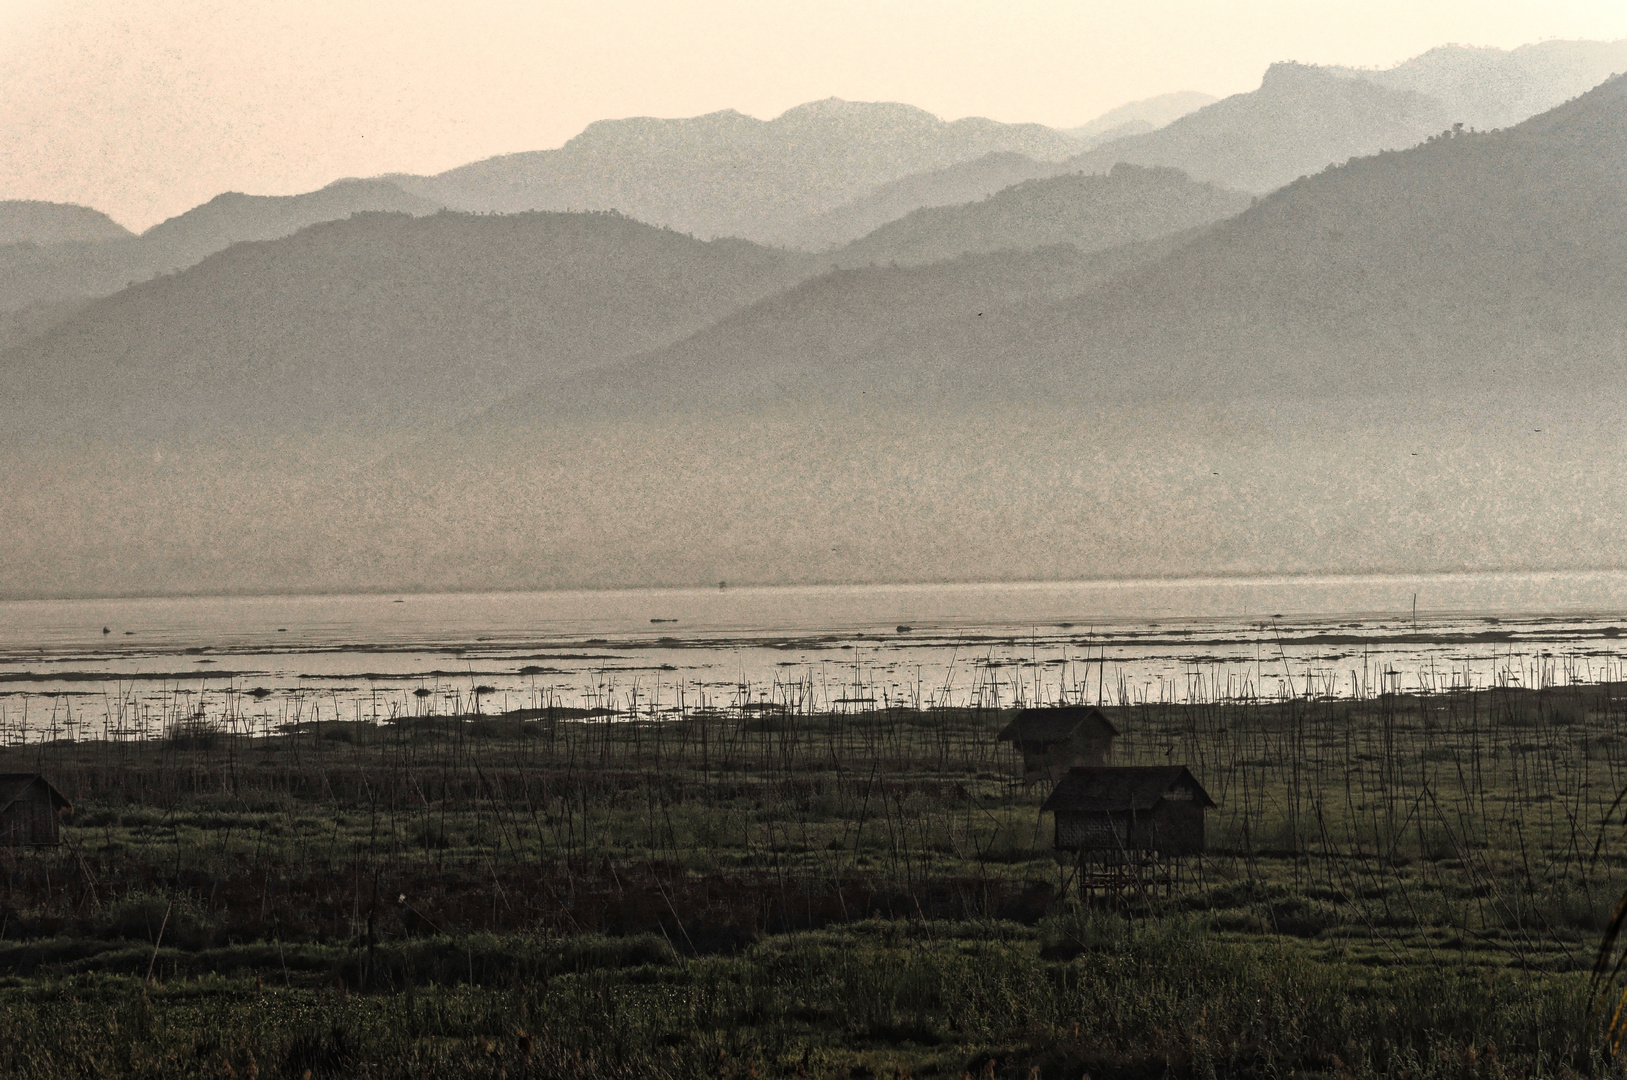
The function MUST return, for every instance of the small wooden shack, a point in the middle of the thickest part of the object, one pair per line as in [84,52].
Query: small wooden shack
[1056,739]
[1130,827]
[31,810]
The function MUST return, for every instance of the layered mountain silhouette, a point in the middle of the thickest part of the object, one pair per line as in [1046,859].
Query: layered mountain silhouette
[1486,258]
[1300,119]
[1407,361]
[1127,205]
[1473,260]
[1304,118]
[39,283]
[965,182]
[379,322]
[1137,117]
[971,180]
[24,221]
[1488,88]
[727,174]
[233,218]
[827,325]
[1387,366]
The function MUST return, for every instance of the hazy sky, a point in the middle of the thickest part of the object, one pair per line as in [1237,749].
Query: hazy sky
[144,108]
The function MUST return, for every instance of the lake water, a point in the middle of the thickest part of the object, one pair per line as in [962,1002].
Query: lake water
[128,668]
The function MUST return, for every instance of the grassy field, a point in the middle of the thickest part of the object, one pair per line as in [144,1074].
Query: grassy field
[1404,886]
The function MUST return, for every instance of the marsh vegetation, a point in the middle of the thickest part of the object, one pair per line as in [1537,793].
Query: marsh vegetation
[1395,885]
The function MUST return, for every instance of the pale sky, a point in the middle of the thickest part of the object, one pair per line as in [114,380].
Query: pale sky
[143,108]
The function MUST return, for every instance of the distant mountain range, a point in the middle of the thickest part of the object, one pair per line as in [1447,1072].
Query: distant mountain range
[1489,88]
[836,333]
[828,173]
[1410,362]
[1404,361]
[380,323]
[1304,118]
[1491,259]
[727,174]
[1300,120]
[29,222]
[964,182]
[1486,260]
[51,277]
[1090,212]
[389,322]
[1136,117]
[234,218]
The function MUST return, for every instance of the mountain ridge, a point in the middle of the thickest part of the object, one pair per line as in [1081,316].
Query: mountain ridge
[377,321]
[1299,120]
[38,285]
[31,221]
[1488,88]
[729,174]
[1148,114]
[1403,266]
[1407,360]
[1126,205]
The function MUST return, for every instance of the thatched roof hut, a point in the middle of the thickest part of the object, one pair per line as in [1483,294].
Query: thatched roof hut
[1054,740]
[1156,808]
[31,810]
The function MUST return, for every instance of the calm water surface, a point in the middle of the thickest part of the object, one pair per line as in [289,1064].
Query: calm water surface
[90,668]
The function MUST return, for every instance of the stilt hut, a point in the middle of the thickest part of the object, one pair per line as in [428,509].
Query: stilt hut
[1054,740]
[1128,828]
[31,810]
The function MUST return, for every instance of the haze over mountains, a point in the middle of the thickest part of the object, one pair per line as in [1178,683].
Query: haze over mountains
[55,275]
[1303,118]
[775,181]
[25,221]
[830,172]
[1127,205]
[1299,120]
[732,175]
[1476,262]
[1135,117]
[379,323]
[384,321]
[1121,372]
[1481,259]
[1491,88]
[1365,371]
[952,185]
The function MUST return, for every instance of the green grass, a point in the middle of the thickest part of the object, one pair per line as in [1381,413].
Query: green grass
[871,999]
[1403,886]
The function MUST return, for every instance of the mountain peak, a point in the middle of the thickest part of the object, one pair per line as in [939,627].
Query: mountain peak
[1286,74]
[28,221]
[835,108]
[823,105]
[1599,113]
[727,174]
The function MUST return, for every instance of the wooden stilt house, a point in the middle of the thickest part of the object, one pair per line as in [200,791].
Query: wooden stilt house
[31,810]
[1129,828]
[1054,740]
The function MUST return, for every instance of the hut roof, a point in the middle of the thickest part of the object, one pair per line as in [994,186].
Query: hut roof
[1105,790]
[14,785]
[1055,724]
